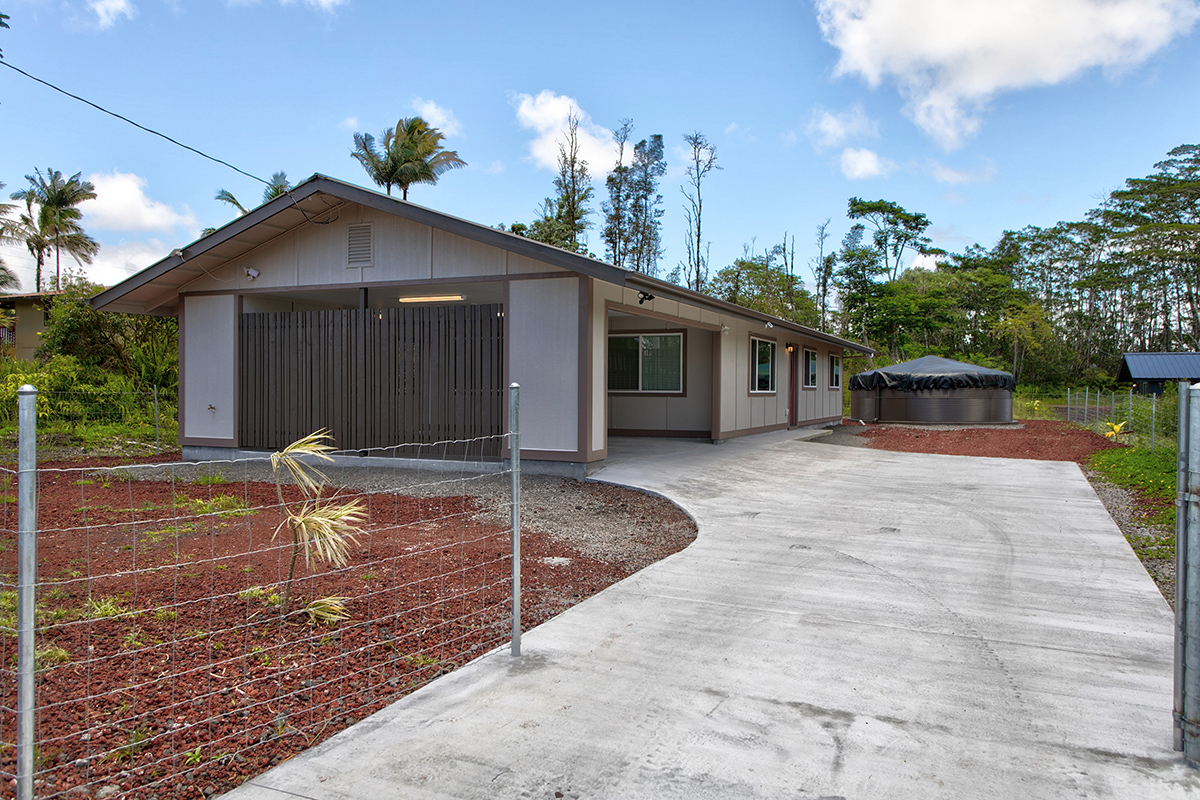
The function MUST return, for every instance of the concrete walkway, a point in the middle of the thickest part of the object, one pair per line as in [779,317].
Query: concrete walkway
[849,624]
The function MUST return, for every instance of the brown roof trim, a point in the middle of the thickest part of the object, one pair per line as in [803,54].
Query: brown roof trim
[661,288]
[574,262]
[322,184]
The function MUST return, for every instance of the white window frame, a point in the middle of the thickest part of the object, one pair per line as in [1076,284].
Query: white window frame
[754,340]
[682,362]
[835,371]
[807,373]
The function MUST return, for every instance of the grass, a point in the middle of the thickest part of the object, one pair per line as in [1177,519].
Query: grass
[223,506]
[104,608]
[1150,477]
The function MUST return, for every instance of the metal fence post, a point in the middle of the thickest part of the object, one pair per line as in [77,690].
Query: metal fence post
[1191,618]
[26,582]
[157,438]
[1131,410]
[514,442]
[1181,549]
[1087,399]
[1153,418]
[1068,404]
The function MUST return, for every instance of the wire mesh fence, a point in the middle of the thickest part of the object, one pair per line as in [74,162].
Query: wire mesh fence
[98,418]
[195,623]
[1148,421]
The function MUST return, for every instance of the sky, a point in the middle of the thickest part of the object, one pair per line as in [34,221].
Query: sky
[984,115]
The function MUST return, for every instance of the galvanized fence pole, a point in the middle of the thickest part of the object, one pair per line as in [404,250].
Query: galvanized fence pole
[1153,418]
[514,443]
[26,582]
[157,438]
[1181,549]
[1130,418]
[1087,400]
[1191,605]
[1068,404]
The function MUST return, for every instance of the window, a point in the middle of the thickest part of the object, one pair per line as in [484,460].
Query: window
[835,372]
[762,356]
[810,369]
[645,362]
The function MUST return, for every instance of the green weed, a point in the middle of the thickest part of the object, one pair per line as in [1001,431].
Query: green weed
[104,608]
[223,506]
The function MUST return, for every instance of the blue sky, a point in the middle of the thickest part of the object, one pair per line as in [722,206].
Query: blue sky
[985,116]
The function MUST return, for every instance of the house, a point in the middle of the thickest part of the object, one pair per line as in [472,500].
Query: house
[29,322]
[1149,371]
[335,306]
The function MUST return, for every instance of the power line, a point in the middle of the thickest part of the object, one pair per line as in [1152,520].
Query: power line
[134,124]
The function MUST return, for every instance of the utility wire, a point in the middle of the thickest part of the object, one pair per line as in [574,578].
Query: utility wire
[134,124]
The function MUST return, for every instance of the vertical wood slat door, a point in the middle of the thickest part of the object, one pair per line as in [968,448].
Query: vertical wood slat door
[423,381]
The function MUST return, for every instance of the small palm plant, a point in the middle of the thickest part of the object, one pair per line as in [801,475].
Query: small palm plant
[321,529]
[1114,430]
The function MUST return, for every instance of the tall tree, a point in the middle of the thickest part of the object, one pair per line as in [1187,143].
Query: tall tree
[895,230]
[646,210]
[563,219]
[59,198]
[701,161]
[278,185]
[32,229]
[823,266]
[409,153]
[617,209]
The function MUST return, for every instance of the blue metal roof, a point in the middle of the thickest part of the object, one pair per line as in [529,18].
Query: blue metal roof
[1160,367]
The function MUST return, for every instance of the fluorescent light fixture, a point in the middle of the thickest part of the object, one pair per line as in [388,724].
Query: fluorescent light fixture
[431,298]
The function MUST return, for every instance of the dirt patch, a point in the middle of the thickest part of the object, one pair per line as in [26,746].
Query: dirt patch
[1042,440]
[166,669]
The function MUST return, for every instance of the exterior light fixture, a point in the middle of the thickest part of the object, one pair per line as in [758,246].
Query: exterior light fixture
[251,273]
[769,326]
[644,296]
[431,298]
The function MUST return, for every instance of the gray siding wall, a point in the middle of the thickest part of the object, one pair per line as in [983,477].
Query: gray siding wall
[543,348]
[208,351]
[691,412]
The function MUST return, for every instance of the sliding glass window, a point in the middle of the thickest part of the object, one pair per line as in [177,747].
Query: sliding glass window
[645,362]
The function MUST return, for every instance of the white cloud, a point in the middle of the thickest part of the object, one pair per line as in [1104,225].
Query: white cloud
[495,168]
[324,5]
[829,129]
[860,164]
[116,262]
[349,123]
[121,204]
[546,114]
[943,174]
[789,138]
[949,58]
[107,11]
[441,118]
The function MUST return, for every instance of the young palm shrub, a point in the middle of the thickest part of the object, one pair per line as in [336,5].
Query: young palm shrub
[321,529]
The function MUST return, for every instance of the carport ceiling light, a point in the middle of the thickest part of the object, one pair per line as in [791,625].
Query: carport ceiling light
[431,298]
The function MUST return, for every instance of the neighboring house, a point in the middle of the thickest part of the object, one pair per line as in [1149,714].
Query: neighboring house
[29,321]
[1149,371]
[338,307]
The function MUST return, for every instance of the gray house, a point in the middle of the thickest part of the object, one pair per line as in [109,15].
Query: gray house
[338,307]
[1148,372]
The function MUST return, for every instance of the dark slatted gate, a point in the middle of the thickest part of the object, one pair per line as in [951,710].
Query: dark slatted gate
[375,378]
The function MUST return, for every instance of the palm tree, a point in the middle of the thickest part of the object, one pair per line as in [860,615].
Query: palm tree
[7,278]
[58,198]
[33,228]
[411,153]
[278,185]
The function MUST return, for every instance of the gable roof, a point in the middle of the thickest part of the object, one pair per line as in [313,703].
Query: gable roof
[155,289]
[1159,367]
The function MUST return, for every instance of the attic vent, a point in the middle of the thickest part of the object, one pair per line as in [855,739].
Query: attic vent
[359,252]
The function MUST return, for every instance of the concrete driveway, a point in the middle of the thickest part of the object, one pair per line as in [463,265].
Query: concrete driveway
[849,624]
